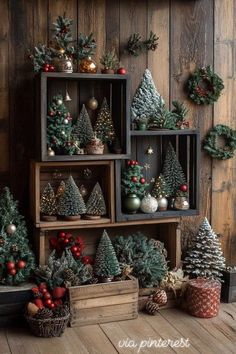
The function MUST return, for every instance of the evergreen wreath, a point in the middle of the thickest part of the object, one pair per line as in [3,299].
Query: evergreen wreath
[225,152]
[205,86]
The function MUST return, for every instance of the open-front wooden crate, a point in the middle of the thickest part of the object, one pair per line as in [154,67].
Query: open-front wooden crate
[54,172]
[104,302]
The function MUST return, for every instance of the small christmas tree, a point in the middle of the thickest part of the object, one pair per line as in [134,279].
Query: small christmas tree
[132,180]
[205,258]
[146,99]
[63,35]
[59,127]
[180,112]
[71,202]
[16,258]
[82,130]
[162,118]
[96,204]
[86,46]
[160,188]
[172,171]
[106,264]
[48,204]
[104,127]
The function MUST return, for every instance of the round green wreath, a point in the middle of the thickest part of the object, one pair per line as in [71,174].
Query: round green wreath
[225,152]
[205,86]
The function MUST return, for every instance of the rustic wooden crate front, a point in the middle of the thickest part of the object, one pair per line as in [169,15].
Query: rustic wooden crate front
[107,302]
[187,146]
[54,173]
[81,87]
[228,289]
[167,232]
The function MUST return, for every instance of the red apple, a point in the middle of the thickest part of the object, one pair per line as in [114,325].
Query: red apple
[47,295]
[21,264]
[121,71]
[10,265]
[58,292]
[58,302]
[44,291]
[39,303]
[42,286]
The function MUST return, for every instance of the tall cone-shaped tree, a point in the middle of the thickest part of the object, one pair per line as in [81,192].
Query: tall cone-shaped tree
[16,258]
[146,99]
[71,204]
[95,205]
[82,130]
[106,264]
[48,203]
[205,258]
[104,127]
[160,188]
[172,171]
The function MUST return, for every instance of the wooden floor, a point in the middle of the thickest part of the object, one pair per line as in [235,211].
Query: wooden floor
[216,335]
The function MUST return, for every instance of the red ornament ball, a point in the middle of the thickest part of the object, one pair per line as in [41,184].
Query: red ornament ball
[62,235]
[52,306]
[74,249]
[132,162]
[87,260]
[21,264]
[183,187]
[136,163]
[12,271]
[51,68]
[43,291]
[66,241]
[51,113]
[48,302]
[77,254]
[128,163]
[69,235]
[47,295]
[142,180]
[134,179]
[121,71]
[10,265]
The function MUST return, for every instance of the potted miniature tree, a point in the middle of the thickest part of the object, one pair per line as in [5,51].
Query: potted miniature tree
[110,62]
[95,206]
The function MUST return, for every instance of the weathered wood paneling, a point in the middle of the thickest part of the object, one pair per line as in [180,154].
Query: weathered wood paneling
[186,29]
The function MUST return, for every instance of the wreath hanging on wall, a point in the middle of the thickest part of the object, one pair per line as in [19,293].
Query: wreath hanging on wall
[205,86]
[211,142]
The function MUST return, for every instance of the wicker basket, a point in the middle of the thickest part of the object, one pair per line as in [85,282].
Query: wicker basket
[50,327]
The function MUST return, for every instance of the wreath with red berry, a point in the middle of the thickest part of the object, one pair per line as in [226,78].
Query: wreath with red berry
[211,142]
[205,86]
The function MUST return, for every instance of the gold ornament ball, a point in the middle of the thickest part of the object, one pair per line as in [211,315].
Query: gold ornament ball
[51,152]
[11,228]
[88,65]
[92,103]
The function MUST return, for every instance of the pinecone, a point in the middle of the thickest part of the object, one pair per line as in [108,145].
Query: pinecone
[61,311]
[43,314]
[71,278]
[151,308]
[159,297]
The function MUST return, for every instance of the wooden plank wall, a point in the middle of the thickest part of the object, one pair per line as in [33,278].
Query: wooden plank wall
[191,33]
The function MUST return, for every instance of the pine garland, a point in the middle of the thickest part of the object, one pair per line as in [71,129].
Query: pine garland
[225,152]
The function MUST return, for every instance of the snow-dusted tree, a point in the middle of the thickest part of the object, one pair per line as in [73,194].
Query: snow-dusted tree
[205,258]
[82,130]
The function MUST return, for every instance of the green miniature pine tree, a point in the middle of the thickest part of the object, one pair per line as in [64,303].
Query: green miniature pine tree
[146,99]
[205,258]
[16,258]
[63,35]
[109,60]
[179,112]
[147,258]
[162,118]
[48,204]
[59,127]
[104,128]
[132,180]
[86,46]
[172,171]
[96,204]
[106,264]
[71,202]
[160,188]
[82,130]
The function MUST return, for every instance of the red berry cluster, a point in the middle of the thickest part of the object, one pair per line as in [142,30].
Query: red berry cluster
[65,240]
[48,67]
[13,267]
[44,298]
[201,91]
[132,163]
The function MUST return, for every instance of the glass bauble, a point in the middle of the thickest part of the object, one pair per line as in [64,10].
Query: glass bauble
[181,203]
[88,65]
[92,103]
[149,204]
[162,203]
[131,203]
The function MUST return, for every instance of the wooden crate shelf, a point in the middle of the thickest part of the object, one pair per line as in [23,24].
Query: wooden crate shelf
[43,172]
[187,146]
[81,87]
[167,232]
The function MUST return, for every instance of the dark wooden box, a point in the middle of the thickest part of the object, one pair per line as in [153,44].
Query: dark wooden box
[187,146]
[81,87]
[228,289]
[54,172]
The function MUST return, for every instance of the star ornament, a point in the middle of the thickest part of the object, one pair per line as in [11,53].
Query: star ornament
[150,150]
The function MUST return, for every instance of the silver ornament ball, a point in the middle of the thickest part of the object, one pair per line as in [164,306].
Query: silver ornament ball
[59,102]
[11,228]
[162,203]
[149,204]
[51,152]
[66,121]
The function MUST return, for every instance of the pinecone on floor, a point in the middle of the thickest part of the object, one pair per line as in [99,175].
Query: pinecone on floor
[61,311]
[151,308]
[71,278]
[159,297]
[43,314]
[93,280]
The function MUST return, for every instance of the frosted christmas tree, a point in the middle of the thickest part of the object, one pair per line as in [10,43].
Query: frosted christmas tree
[146,99]
[160,188]
[82,130]
[172,171]
[104,128]
[96,206]
[48,203]
[205,258]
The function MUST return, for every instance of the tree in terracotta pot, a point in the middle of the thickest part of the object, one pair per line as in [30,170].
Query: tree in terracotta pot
[110,62]
[133,186]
